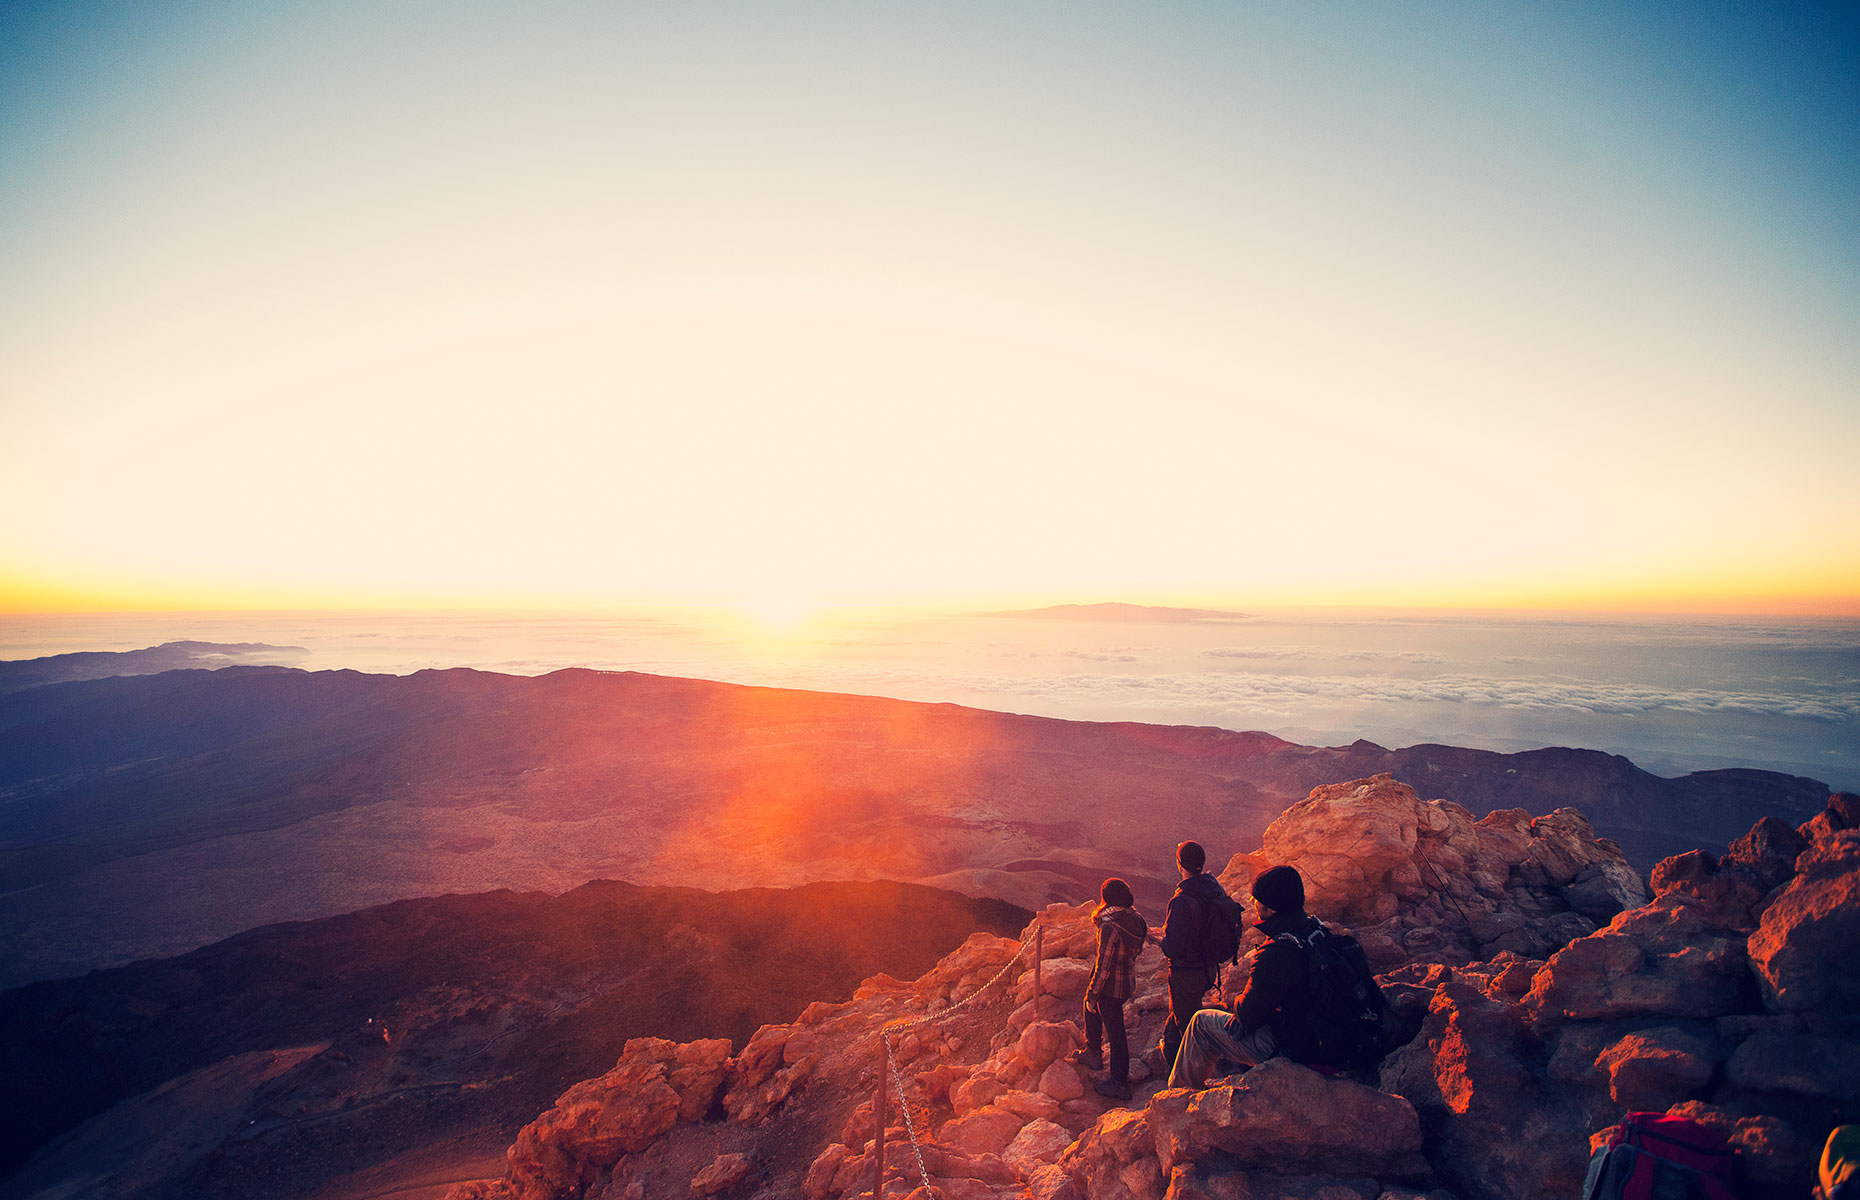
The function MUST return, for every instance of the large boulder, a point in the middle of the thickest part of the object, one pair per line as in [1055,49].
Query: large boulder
[1806,950]
[1290,1118]
[1652,1069]
[1722,893]
[1768,851]
[655,1084]
[1116,1159]
[1354,844]
[1422,881]
[1653,961]
[1493,1128]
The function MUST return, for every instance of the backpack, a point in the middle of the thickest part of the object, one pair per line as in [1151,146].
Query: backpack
[1220,936]
[1651,1156]
[1345,1017]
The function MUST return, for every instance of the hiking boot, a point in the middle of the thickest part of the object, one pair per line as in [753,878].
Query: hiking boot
[1112,1088]
[1089,1059]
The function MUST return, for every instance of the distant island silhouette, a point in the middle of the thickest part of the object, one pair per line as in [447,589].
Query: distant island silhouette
[1117,611]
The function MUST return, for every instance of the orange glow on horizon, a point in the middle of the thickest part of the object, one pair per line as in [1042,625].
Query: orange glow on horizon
[778,614]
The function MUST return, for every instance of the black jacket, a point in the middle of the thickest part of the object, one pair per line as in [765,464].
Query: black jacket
[1190,910]
[1278,992]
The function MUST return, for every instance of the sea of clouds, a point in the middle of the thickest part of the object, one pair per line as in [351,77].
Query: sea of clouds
[1674,694]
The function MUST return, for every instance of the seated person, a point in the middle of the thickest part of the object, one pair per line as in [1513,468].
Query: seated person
[1269,1018]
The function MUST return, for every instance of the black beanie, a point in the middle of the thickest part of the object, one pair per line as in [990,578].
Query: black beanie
[1116,893]
[1281,890]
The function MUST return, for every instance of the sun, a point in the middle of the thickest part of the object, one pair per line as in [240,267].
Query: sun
[778,612]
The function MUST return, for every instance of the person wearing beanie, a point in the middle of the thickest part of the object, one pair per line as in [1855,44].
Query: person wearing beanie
[1121,933]
[1199,900]
[1267,1018]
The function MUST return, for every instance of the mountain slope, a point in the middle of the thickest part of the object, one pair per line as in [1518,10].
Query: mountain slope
[449,1018]
[275,794]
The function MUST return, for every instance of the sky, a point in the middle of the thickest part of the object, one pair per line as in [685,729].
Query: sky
[781,304]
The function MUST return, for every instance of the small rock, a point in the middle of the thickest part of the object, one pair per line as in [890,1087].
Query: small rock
[727,1171]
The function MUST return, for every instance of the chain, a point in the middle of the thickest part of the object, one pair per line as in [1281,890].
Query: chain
[900,1026]
[910,1125]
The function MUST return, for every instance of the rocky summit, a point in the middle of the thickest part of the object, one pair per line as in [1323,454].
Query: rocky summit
[1539,989]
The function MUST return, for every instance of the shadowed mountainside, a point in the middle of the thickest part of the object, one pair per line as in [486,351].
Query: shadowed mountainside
[447,1021]
[150,815]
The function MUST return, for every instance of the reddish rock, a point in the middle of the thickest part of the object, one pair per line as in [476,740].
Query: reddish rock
[1420,879]
[726,1172]
[1653,961]
[1062,985]
[1061,1081]
[984,1131]
[1288,1117]
[1354,844]
[1768,851]
[1030,1106]
[1803,950]
[771,1066]
[1562,844]
[1842,812]
[1722,893]
[1496,1130]
[1037,1144]
[1052,1183]
[817,1184]
[655,1084]
[977,1091]
[1116,1159]
[1044,1041]
[1654,1068]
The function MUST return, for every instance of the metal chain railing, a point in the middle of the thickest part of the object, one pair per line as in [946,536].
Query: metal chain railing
[1036,936]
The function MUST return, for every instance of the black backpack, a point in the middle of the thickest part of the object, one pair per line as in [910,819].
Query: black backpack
[1220,937]
[1346,1004]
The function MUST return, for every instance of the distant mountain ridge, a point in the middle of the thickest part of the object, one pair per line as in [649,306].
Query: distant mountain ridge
[149,815]
[1118,611]
[169,656]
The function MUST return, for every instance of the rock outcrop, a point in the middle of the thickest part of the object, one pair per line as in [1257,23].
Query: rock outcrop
[1424,881]
[1727,994]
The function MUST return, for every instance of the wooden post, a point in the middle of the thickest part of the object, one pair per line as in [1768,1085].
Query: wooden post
[878,1110]
[1039,944]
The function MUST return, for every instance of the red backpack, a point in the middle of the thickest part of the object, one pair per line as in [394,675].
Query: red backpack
[1651,1156]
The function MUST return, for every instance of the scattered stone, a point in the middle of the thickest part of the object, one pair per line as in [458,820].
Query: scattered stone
[728,1171]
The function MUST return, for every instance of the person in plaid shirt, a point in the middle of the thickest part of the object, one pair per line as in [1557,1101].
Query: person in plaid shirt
[1121,931]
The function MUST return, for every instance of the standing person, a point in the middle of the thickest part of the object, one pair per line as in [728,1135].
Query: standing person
[1198,908]
[1121,933]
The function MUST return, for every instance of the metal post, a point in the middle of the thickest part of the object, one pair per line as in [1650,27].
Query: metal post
[1039,942]
[878,1109]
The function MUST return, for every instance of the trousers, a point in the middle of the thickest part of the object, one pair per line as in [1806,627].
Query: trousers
[1208,1042]
[1187,985]
[1104,1015]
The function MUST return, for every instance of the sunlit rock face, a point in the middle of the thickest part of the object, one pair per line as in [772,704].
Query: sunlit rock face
[1424,881]
[1699,1000]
